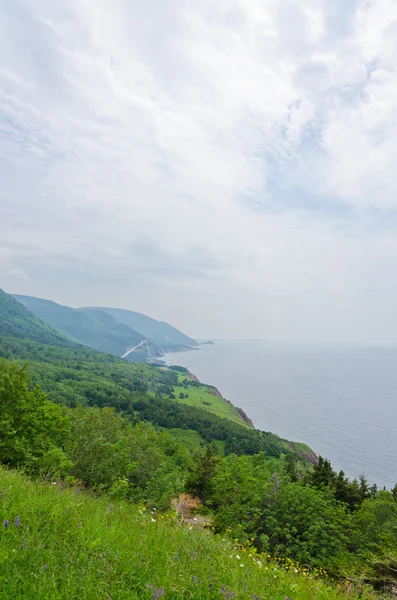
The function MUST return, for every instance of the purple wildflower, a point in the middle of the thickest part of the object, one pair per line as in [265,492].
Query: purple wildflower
[158,593]
[6,524]
[24,543]
[45,567]
[223,590]
[17,522]
[256,597]
[194,579]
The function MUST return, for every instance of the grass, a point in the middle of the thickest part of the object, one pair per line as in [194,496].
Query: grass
[190,438]
[67,544]
[193,440]
[203,397]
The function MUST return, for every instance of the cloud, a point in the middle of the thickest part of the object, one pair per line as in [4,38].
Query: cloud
[202,161]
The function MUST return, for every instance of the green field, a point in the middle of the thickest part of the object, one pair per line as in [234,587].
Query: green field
[203,397]
[66,544]
[193,440]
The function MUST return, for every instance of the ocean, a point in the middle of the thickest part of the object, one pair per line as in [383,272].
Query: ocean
[341,401]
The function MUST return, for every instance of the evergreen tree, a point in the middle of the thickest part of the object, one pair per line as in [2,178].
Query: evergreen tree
[199,480]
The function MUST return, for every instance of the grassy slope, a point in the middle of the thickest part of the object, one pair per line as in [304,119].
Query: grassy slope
[193,440]
[70,545]
[202,397]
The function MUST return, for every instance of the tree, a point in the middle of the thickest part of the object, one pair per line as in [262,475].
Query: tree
[33,430]
[199,481]
[306,524]
[290,467]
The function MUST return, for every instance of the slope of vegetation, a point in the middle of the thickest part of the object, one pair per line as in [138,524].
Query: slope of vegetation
[65,544]
[18,322]
[73,375]
[158,332]
[193,393]
[104,426]
[93,328]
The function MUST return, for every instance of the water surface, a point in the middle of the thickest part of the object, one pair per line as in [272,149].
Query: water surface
[341,401]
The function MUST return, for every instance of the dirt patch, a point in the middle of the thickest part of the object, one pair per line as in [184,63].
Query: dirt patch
[187,507]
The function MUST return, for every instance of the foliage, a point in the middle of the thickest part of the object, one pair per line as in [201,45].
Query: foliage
[353,493]
[33,430]
[306,524]
[68,544]
[108,431]
[18,322]
[194,393]
[199,481]
[94,328]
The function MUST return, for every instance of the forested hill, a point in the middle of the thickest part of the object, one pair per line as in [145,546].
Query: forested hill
[143,434]
[120,332]
[94,328]
[18,322]
[158,332]
[73,375]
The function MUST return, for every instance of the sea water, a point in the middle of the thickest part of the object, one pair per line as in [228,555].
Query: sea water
[341,401]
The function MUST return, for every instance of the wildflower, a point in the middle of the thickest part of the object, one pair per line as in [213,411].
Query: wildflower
[256,597]
[237,556]
[45,567]
[194,579]
[6,524]
[24,543]
[223,589]
[158,593]
[241,565]
[17,522]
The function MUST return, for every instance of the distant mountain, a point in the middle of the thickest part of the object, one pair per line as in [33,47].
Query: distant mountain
[17,321]
[157,332]
[95,328]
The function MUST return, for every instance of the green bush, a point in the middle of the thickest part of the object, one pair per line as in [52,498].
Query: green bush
[33,430]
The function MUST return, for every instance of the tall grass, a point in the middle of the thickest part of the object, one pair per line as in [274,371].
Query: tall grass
[66,544]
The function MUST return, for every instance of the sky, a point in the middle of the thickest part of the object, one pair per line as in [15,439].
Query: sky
[228,166]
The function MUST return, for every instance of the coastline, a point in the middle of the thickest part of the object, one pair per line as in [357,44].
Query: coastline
[299,448]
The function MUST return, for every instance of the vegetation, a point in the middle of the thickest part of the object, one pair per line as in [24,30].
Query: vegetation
[63,543]
[110,432]
[196,394]
[157,332]
[94,328]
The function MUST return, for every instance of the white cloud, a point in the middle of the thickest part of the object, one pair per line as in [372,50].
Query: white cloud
[237,153]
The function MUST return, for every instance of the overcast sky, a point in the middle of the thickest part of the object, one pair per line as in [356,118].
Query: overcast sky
[229,166]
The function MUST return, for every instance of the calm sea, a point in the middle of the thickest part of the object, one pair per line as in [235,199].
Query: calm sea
[340,401]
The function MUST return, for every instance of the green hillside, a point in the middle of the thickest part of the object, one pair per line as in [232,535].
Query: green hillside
[158,332]
[68,544]
[72,375]
[194,393]
[94,328]
[114,443]
[18,322]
